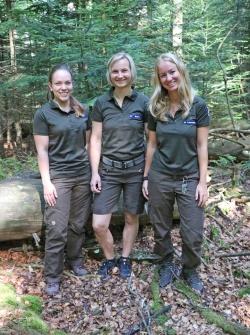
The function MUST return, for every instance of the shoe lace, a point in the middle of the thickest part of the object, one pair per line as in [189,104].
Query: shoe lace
[125,263]
[107,265]
[169,267]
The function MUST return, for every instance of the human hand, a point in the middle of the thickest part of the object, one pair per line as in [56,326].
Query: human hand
[145,189]
[50,194]
[95,183]
[201,194]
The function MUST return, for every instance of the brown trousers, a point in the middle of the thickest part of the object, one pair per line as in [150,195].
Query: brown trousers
[163,191]
[65,224]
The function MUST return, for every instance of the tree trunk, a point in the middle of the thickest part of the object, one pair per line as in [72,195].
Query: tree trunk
[18,128]
[177,26]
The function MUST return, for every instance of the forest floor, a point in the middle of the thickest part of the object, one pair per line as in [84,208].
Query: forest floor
[89,306]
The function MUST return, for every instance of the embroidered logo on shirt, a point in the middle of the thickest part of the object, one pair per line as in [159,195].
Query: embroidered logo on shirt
[135,116]
[84,116]
[192,122]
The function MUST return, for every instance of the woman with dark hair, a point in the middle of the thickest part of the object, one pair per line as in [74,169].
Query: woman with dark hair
[176,167]
[61,133]
[117,147]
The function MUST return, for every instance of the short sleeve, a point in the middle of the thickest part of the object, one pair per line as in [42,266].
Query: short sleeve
[151,122]
[96,114]
[40,125]
[203,115]
[146,109]
[87,116]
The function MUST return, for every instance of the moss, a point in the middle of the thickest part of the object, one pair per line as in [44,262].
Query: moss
[31,321]
[210,315]
[158,303]
[8,296]
[244,291]
[29,308]
[187,291]
[57,332]
[32,303]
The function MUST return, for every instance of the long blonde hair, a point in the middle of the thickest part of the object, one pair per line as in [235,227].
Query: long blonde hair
[159,101]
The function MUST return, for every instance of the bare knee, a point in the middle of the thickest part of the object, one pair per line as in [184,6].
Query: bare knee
[131,219]
[101,223]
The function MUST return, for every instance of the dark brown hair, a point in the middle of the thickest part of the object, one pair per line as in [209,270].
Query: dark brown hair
[74,103]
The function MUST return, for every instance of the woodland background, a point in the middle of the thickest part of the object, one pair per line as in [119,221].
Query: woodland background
[213,38]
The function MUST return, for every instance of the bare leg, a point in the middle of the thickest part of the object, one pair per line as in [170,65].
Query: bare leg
[129,233]
[103,234]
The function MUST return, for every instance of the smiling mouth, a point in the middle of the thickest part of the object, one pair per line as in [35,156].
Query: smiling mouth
[172,84]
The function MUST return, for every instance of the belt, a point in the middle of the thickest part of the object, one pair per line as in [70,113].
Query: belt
[123,164]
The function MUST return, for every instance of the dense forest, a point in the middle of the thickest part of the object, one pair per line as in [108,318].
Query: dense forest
[211,35]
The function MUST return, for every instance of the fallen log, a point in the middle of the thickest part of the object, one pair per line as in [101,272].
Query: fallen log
[219,145]
[22,203]
[22,208]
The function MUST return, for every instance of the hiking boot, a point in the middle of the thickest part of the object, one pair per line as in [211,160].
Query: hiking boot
[125,267]
[79,270]
[106,268]
[52,288]
[168,272]
[193,280]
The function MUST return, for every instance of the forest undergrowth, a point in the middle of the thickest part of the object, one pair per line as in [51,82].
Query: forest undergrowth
[116,306]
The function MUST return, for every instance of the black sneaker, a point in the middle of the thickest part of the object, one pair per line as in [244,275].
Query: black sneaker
[52,288]
[193,280]
[168,272]
[125,267]
[106,267]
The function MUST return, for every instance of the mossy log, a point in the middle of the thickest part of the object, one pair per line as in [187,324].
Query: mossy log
[209,314]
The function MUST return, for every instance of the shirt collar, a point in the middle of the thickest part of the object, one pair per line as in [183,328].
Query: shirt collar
[131,97]
[55,106]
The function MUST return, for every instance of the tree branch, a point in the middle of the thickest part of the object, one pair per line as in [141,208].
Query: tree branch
[237,254]
[229,139]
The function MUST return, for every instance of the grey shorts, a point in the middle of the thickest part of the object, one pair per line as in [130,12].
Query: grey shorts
[114,181]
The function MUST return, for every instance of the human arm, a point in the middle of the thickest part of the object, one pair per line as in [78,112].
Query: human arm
[151,147]
[95,146]
[88,133]
[146,129]
[202,143]
[49,190]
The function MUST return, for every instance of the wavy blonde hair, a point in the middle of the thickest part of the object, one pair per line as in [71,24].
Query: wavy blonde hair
[159,101]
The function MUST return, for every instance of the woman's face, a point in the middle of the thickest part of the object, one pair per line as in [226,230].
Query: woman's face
[169,76]
[120,74]
[61,86]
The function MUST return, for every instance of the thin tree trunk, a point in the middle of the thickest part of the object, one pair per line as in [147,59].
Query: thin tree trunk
[225,76]
[177,26]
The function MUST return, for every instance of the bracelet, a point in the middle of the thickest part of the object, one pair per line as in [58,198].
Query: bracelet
[145,178]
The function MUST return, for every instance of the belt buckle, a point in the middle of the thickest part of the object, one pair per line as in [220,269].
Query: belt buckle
[124,165]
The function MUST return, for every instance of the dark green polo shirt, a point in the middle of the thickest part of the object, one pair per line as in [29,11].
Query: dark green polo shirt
[67,140]
[122,127]
[176,153]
